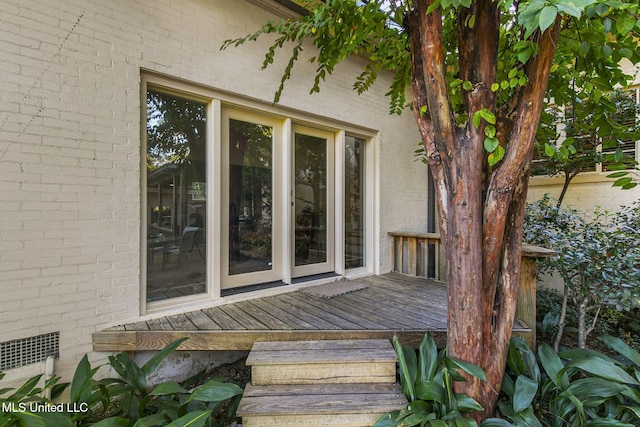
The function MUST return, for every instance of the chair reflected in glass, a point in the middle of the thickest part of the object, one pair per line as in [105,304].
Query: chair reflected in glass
[190,240]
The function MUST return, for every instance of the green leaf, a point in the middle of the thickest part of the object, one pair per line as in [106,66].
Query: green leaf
[524,55]
[496,422]
[113,422]
[427,358]
[467,367]
[215,391]
[30,419]
[170,387]
[496,156]
[416,419]
[625,23]
[192,419]
[550,150]
[525,391]
[82,381]
[490,144]
[618,174]
[603,369]
[160,356]
[129,372]
[152,420]
[390,419]
[25,389]
[585,388]
[494,88]
[608,422]
[621,347]
[569,8]
[547,17]
[552,364]
[405,376]
[490,131]
[623,182]
[430,391]
[467,85]
[467,404]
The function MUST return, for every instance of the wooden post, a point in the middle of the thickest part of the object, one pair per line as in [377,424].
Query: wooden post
[526,304]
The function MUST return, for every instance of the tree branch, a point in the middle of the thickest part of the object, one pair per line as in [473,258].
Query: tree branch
[519,153]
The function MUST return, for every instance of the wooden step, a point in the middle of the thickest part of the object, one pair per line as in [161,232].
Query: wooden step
[315,405]
[322,362]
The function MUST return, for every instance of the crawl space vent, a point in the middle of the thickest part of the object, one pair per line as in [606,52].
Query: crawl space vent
[26,351]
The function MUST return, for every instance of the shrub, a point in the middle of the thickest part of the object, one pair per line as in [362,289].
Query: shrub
[427,378]
[128,400]
[573,388]
[596,260]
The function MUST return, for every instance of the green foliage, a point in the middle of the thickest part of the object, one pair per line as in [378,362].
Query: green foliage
[596,260]
[427,378]
[128,400]
[572,388]
[20,402]
[595,36]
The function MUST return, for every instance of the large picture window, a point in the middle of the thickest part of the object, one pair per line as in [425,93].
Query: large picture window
[176,205]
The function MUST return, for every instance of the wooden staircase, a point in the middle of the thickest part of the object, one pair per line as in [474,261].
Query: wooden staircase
[337,383]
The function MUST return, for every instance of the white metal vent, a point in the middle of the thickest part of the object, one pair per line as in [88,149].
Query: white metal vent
[26,351]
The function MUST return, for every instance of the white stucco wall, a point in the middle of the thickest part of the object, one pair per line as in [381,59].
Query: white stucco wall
[70,147]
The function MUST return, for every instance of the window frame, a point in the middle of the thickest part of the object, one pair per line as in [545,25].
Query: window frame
[218,102]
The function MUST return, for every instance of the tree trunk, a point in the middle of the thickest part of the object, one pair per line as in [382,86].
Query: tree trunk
[582,324]
[562,319]
[481,209]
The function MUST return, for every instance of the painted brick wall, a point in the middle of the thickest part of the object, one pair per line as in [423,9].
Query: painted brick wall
[70,147]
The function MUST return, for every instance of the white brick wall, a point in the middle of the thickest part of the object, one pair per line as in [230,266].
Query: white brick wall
[70,146]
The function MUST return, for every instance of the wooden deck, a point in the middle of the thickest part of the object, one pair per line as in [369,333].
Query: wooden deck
[391,304]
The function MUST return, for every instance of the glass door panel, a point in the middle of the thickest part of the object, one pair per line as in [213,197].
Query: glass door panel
[250,197]
[313,243]
[354,210]
[250,220]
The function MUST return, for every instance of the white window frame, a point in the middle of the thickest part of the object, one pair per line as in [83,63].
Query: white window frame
[218,102]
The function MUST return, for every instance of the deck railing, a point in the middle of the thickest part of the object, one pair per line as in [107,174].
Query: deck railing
[418,254]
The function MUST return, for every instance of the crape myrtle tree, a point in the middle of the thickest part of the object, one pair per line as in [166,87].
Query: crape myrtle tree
[479,73]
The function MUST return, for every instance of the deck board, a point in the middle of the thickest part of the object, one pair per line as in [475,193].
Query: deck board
[391,304]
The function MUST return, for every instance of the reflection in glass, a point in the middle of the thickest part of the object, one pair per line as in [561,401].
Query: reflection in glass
[310,200]
[354,215]
[250,197]
[176,196]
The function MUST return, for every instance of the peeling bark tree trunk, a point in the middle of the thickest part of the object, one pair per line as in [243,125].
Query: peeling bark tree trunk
[481,208]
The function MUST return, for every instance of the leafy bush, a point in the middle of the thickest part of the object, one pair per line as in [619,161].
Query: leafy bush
[596,260]
[16,404]
[427,378]
[128,400]
[573,388]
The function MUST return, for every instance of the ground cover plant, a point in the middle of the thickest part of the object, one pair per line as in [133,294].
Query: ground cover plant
[572,388]
[124,401]
[427,377]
